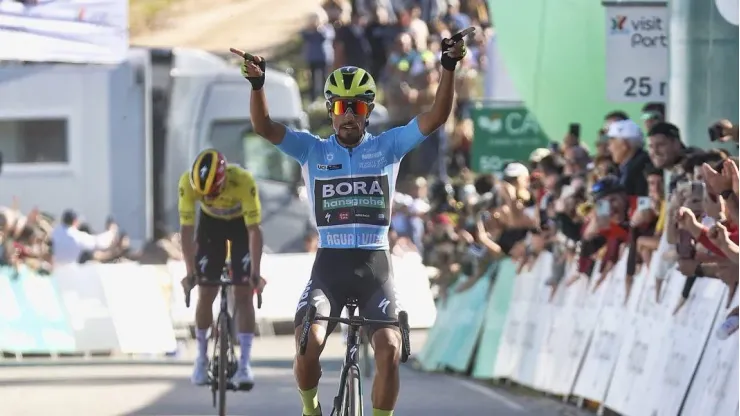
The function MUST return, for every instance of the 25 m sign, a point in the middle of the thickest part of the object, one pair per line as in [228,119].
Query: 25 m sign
[644,87]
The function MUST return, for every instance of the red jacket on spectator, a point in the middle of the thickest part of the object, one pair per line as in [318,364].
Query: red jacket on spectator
[732,230]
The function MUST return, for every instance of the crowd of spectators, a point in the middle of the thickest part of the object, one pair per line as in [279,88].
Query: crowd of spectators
[399,42]
[640,185]
[39,242]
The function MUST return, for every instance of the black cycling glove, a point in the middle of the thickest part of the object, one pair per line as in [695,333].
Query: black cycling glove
[257,82]
[449,63]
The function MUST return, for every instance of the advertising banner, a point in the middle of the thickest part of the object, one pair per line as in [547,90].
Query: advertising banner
[493,330]
[503,134]
[636,51]
[32,319]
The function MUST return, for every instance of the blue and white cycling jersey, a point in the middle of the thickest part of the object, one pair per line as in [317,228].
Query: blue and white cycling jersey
[351,189]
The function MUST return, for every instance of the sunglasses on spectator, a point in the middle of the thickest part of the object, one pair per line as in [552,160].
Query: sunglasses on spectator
[358,107]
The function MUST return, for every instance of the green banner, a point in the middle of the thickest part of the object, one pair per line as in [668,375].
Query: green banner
[32,319]
[555,57]
[498,307]
[468,323]
[503,134]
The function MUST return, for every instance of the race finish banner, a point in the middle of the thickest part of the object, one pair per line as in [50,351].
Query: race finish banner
[636,51]
[75,31]
[503,132]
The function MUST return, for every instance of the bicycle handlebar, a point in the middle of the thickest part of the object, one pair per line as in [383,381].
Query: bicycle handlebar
[192,282]
[358,321]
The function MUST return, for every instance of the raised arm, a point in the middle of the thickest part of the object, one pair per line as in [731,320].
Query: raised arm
[253,69]
[429,121]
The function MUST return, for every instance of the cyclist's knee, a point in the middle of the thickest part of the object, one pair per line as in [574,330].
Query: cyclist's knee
[315,343]
[387,346]
[207,294]
[243,295]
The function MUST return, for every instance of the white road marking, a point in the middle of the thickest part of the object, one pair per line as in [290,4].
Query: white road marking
[491,394]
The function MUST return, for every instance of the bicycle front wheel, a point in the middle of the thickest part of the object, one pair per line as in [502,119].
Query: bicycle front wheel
[353,393]
[366,358]
[223,361]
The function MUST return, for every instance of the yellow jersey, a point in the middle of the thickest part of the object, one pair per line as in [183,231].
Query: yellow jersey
[239,198]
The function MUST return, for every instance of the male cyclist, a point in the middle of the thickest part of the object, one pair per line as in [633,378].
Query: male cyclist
[351,179]
[229,211]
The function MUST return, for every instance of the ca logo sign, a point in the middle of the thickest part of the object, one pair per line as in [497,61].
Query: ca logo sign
[493,125]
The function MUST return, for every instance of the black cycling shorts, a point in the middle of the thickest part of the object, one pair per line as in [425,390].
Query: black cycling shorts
[341,275]
[211,253]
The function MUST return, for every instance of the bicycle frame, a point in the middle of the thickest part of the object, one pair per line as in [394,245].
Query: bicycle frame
[224,312]
[351,359]
[215,370]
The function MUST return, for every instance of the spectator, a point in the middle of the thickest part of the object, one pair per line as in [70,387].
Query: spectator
[418,29]
[432,10]
[653,217]
[652,114]
[69,242]
[665,146]
[465,87]
[318,51]
[351,46]
[379,36]
[7,257]
[338,11]
[454,19]
[625,146]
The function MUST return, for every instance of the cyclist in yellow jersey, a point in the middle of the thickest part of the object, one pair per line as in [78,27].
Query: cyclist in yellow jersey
[229,212]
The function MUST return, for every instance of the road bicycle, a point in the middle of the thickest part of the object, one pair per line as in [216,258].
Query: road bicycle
[366,360]
[348,401]
[224,363]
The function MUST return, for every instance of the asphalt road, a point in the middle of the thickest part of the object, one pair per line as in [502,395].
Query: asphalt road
[156,388]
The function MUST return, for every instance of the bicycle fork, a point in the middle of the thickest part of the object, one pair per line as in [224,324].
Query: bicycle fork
[231,355]
[351,360]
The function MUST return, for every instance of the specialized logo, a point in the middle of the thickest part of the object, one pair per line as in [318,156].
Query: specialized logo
[383,305]
[619,24]
[245,262]
[361,198]
[203,263]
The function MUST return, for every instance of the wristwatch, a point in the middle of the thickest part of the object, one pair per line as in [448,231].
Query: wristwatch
[726,194]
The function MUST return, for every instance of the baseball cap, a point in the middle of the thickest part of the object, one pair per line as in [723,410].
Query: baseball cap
[625,130]
[515,170]
[539,154]
[667,129]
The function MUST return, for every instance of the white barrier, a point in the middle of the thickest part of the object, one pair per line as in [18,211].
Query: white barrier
[629,352]
[115,307]
[287,275]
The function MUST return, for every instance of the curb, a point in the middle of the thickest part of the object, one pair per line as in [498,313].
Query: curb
[94,362]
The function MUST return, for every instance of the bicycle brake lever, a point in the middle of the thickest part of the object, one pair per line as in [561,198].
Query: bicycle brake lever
[187,287]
